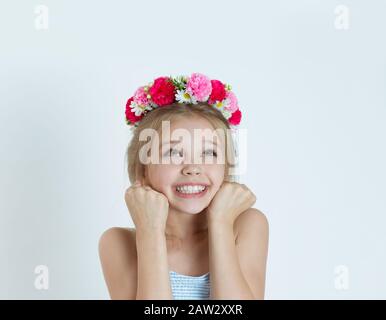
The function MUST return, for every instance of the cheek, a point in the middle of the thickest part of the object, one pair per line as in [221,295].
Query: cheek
[161,176]
[217,174]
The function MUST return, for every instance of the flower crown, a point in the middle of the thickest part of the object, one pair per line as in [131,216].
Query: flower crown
[164,91]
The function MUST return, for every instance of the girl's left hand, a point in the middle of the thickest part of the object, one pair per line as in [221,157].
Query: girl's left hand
[229,202]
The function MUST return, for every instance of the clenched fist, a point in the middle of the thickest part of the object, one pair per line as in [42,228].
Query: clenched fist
[229,202]
[148,208]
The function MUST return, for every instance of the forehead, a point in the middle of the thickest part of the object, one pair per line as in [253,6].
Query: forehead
[190,123]
[191,129]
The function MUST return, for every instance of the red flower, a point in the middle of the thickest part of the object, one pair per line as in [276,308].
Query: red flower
[162,91]
[218,92]
[130,116]
[235,118]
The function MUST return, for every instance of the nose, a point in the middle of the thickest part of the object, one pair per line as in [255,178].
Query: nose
[191,170]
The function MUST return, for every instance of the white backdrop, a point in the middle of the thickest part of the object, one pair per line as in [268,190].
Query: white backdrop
[310,79]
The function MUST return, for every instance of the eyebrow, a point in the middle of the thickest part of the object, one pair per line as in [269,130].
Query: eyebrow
[169,142]
[175,141]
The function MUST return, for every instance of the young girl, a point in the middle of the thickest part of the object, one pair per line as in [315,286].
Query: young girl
[196,234]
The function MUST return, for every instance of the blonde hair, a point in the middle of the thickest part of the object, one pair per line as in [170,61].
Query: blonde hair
[171,112]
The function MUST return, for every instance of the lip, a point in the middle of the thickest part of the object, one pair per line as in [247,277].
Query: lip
[190,195]
[191,184]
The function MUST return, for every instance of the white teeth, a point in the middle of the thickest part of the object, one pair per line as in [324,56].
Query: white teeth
[191,189]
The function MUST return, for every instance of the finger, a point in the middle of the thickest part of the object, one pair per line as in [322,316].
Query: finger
[137,183]
[145,184]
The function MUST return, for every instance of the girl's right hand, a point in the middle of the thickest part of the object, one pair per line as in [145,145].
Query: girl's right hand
[148,208]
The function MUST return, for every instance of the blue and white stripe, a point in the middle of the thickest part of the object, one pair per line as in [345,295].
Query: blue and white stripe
[189,287]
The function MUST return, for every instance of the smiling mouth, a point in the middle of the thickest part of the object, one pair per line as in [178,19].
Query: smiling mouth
[190,191]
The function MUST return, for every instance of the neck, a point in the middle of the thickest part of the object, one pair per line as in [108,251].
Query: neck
[185,226]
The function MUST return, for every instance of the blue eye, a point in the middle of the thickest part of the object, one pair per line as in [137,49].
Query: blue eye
[172,152]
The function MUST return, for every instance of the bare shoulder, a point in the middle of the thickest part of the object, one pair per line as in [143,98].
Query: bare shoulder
[249,222]
[118,237]
[252,248]
[118,256]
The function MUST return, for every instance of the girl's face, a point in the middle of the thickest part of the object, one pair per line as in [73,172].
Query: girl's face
[187,166]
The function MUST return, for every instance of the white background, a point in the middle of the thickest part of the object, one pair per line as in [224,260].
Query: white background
[313,100]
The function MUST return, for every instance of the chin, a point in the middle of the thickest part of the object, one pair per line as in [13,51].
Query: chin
[190,209]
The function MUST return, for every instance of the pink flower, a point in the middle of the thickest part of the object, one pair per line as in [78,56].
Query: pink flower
[218,92]
[162,91]
[233,103]
[130,116]
[199,86]
[140,96]
[235,118]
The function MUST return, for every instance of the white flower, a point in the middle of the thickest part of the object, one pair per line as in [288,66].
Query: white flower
[221,105]
[182,96]
[226,113]
[138,109]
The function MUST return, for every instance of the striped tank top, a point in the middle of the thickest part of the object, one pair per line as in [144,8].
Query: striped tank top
[189,287]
